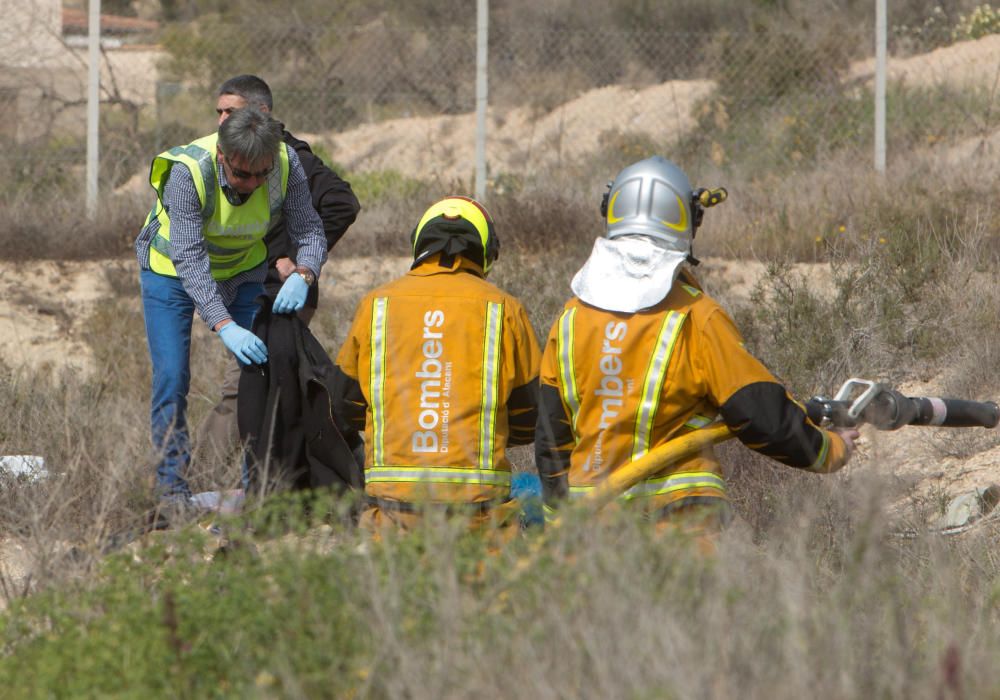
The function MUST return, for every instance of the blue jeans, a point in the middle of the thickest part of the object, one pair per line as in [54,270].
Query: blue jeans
[169,312]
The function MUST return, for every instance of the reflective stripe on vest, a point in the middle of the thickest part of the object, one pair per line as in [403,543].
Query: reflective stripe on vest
[205,160]
[567,374]
[162,246]
[491,384]
[438,475]
[696,422]
[652,384]
[380,316]
[682,481]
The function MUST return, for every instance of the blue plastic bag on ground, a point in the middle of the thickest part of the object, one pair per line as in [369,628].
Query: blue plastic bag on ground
[526,487]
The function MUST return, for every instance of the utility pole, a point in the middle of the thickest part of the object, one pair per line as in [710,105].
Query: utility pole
[880,76]
[482,94]
[93,96]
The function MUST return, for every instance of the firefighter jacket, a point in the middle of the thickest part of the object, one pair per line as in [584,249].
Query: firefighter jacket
[614,386]
[440,370]
[234,235]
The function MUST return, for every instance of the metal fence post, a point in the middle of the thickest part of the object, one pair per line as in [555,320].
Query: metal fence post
[93,96]
[482,31]
[880,77]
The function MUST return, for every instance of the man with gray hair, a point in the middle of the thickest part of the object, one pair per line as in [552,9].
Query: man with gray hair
[202,248]
[337,206]
[332,196]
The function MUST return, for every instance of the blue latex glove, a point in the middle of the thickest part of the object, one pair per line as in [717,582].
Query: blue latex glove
[292,295]
[248,348]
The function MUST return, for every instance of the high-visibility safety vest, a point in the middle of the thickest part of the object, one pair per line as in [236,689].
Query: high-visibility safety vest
[630,382]
[233,234]
[436,354]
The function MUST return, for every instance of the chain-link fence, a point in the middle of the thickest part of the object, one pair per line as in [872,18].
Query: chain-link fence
[391,97]
[384,97]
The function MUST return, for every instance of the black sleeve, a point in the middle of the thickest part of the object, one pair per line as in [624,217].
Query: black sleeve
[332,197]
[554,442]
[349,404]
[767,420]
[522,413]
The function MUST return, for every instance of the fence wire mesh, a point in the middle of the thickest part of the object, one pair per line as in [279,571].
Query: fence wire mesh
[386,97]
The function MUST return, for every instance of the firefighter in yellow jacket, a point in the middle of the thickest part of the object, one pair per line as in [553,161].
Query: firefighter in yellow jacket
[642,355]
[440,370]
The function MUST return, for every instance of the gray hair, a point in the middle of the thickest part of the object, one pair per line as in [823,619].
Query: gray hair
[250,134]
[254,90]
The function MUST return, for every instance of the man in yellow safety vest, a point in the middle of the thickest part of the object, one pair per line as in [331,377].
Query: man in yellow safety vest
[202,248]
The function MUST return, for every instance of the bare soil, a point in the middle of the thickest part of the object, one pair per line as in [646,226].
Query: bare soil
[967,64]
[520,141]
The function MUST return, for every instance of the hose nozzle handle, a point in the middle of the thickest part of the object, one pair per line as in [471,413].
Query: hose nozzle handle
[709,198]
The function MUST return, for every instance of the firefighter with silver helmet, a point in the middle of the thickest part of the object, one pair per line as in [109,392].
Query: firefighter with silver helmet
[641,355]
[440,371]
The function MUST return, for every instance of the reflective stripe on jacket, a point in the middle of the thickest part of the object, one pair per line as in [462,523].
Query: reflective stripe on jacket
[676,483]
[233,234]
[615,386]
[446,366]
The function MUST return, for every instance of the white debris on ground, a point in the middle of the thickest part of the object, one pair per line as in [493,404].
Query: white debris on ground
[29,467]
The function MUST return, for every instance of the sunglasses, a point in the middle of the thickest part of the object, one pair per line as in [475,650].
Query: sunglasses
[246,174]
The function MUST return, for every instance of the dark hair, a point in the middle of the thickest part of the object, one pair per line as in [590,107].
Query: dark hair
[251,88]
[250,134]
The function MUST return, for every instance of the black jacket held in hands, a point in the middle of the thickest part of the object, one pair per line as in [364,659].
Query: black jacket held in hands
[284,411]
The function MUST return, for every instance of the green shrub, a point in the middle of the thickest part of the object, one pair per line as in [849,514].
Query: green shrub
[982,21]
[382,186]
[881,314]
[433,615]
[927,33]
[770,62]
[162,624]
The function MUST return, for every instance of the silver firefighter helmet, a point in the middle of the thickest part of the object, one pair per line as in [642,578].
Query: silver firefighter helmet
[651,198]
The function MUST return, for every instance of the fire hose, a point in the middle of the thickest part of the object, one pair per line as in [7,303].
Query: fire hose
[859,401]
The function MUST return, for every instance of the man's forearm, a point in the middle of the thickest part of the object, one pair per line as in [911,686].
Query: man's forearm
[764,418]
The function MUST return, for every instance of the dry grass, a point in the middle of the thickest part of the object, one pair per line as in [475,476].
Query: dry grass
[811,593]
[603,610]
[35,230]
